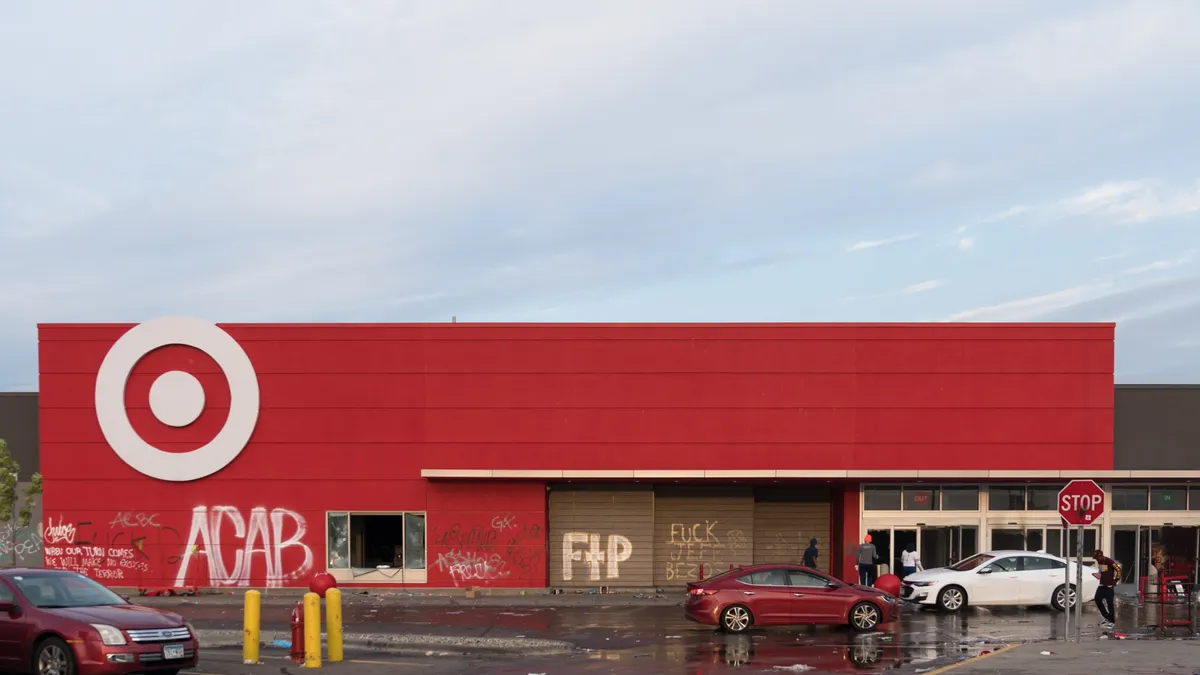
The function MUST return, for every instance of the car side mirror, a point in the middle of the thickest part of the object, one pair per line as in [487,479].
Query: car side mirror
[832,585]
[125,598]
[10,608]
[985,570]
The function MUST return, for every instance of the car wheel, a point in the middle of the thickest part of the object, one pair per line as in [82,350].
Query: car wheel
[952,599]
[52,656]
[1060,601]
[864,617]
[736,619]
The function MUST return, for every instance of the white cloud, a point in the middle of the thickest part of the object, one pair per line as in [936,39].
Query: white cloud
[1030,308]
[876,243]
[923,286]
[1137,201]
[966,243]
[1007,214]
[1187,258]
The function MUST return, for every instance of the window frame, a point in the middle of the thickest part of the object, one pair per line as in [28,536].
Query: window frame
[359,572]
[786,579]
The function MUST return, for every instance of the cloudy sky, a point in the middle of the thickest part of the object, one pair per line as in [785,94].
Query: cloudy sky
[543,160]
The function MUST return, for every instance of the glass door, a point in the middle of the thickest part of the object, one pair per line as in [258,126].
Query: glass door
[902,540]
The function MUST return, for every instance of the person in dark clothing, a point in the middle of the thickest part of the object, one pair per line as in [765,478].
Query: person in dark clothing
[867,557]
[1104,592]
[810,554]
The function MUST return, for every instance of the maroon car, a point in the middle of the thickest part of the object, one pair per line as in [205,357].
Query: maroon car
[784,595]
[54,622]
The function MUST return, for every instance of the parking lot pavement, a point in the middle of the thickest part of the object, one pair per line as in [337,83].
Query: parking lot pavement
[1169,657]
[657,639]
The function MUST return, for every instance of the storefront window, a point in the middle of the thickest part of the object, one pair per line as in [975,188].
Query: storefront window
[414,541]
[337,529]
[1168,498]
[1043,497]
[375,541]
[960,498]
[1131,498]
[1194,499]
[881,498]
[920,499]
[1008,540]
[1006,498]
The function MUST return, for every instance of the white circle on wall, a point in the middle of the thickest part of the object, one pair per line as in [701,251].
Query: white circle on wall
[176,398]
[114,373]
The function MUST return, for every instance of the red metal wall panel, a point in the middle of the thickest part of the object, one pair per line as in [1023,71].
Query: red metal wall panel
[350,414]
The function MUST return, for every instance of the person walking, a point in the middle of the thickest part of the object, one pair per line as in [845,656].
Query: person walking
[867,557]
[910,561]
[1105,594]
[810,554]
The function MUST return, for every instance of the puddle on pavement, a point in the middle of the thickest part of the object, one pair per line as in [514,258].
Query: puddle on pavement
[784,652]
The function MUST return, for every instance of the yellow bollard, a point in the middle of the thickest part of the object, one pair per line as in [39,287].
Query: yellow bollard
[333,623]
[312,630]
[252,617]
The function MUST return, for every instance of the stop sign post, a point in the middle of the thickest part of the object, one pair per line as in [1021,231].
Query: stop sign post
[1080,503]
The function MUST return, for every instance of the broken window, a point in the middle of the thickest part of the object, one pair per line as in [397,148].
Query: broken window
[376,541]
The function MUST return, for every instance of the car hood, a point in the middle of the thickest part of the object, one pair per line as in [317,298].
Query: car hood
[128,617]
[936,574]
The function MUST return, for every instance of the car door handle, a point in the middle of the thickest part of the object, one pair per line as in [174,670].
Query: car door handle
[747,592]
[797,595]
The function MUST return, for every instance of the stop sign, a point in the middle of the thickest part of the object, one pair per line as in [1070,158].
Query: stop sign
[1081,502]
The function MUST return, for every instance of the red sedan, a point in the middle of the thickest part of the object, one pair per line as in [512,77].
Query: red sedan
[54,622]
[786,595]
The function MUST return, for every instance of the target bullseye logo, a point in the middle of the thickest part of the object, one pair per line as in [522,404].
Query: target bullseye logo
[176,398]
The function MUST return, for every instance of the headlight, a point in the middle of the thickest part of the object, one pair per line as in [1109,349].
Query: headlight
[109,635]
[190,627]
[919,584]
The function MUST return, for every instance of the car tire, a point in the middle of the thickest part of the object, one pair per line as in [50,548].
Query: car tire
[736,619]
[864,617]
[1058,602]
[952,599]
[52,655]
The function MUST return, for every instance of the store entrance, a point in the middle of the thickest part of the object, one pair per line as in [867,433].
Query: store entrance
[1136,546]
[944,546]
[938,546]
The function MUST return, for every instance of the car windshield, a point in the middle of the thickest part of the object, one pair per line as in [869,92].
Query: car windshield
[971,563]
[49,590]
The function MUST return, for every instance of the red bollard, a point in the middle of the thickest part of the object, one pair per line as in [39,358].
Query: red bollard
[297,652]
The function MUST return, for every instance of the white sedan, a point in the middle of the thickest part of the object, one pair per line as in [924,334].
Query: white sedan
[999,578]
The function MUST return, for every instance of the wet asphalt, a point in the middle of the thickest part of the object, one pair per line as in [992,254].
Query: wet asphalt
[653,637]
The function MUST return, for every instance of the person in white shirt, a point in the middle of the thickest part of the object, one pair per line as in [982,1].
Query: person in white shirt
[910,561]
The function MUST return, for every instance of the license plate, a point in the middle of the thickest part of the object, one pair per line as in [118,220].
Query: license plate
[173,652]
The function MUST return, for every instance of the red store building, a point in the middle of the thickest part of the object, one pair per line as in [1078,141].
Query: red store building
[176,452]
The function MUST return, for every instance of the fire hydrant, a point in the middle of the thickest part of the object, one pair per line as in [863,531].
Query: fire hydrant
[297,652]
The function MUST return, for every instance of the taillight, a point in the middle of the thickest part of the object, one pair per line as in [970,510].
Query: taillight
[701,591]
[1096,574]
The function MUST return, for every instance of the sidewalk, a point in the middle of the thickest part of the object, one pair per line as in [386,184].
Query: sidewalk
[1115,657]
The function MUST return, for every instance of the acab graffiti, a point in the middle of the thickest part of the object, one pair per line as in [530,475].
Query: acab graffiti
[261,535]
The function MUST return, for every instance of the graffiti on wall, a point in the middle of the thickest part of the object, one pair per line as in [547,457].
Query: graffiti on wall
[221,547]
[701,543]
[20,543]
[617,550]
[263,535]
[498,550]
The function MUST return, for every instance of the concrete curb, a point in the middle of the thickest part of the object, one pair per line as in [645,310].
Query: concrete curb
[401,643]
